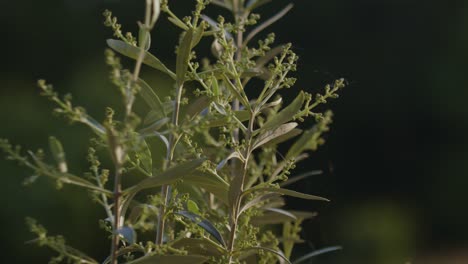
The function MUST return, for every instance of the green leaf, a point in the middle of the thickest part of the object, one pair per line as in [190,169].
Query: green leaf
[241,115]
[273,134]
[286,114]
[293,133]
[198,106]
[201,246]
[257,201]
[150,97]
[203,223]
[234,154]
[167,177]
[211,182]
[198,34]
[133,52]
[178,23]
[144,38]
[58,153]
[235,92]
[316,253]
[193,207]
[170,259]
[144,155]
[154,127]
[183,57]
[299,177]
[286,192]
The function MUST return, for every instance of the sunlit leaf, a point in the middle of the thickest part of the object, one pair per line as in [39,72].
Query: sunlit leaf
[273,134]
[133,52]
[167,177]
[286,114]
[287,193]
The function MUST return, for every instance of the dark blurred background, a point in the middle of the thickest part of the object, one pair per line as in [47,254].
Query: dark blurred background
[395,162]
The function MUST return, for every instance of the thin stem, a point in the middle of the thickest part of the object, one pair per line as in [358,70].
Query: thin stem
[165,189]
[116,220]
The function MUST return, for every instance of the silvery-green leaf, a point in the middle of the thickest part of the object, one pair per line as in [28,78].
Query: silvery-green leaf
[203,223]
[286,192]
[257,201]
[276,252]
[269,135]
[234,154]
[282,212]
[167,177]
[133,52]
[128,234]
[286,114]
[154,127]
[299,177]
[178,23]
[316,253]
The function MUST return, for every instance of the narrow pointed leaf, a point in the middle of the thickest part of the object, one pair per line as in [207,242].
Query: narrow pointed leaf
[234,154]
[316,253]
[150,97]
[299,177]
[183,57]
[235,92]
[210,182]
[201,246]
[170,259]
[287,136]
[133,52]
[287,193]
[169,176]
[273,134]
[178,23]
[241,115]
[282,212]
[286,114]
[267,23]
[58,153]
[276,252]
[257,201]
[203,223]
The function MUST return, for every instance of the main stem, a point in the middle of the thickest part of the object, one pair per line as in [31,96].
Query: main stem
[238,14]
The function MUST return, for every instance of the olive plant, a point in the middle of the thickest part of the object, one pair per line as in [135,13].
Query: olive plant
[217,195]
